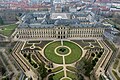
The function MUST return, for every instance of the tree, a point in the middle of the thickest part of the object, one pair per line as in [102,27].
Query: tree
[10,50]
[96,59]
[3,70]
[51,77]
[25,55]
[84,66]
[35,65]
[19,14]
[80,77]
[88,68]
[80,66]
[42,70]
[29,58]
[93,62]
[93,55]
[99,55]
[1,21]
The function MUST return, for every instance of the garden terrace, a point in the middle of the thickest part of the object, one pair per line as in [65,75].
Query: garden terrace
[27,45]
[57,69]
[81,43]
[59,57]
[42,44]
[28,49]
[31,42]
[21,62]
[71,75]
[87,44]
[42,59]
[30,60]
[71,68]
[116,64]
[89,41]
[36,59]
[58,76]
[119,69]
[96,44]
[49,52]
[76,51]
[116,75]
[110,45]
[112,49]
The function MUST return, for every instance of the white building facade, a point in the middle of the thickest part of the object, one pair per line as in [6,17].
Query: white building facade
[50,28]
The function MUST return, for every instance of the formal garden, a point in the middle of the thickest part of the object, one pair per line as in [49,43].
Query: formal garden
[56,56]
[116,67]
[62,60]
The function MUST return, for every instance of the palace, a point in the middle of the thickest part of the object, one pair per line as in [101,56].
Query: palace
[44,25]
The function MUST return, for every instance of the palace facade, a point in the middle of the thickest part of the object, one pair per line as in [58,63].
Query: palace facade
[58,26]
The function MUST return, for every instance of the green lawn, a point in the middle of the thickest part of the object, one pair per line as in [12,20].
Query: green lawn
[57,69]
[87,47]
[50,54]
[119,69]
[8,30]
[76,52]
[58,76]
[115,64]
[71,68]
[71,75]
[111,45]
[116,75]
[118,56]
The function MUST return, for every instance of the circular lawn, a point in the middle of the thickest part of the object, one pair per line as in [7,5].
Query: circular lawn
[76,52]
[74,56]
[50,54]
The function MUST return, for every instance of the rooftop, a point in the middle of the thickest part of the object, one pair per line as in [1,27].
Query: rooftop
[59,15]
[46,19]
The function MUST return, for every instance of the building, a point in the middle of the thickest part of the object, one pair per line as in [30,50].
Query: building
[38,25]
